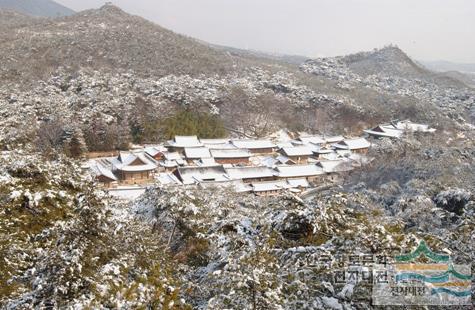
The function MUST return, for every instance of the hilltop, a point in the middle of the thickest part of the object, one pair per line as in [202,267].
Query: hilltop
[109,40]
[392,61]
[41,8]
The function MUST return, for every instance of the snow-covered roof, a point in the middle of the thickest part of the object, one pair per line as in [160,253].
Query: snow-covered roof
[185,141]
[172,156]
[297,151]
[214,141]
[281,145]
[220,146]
[299,171]
[312,139]
[168,163]
[193,175]
[154,150]
[242,187]
[133,162]
[197,152]
[331,166]
[385,131]
[395,130]
[268,161]
[323,151]
[167,179]
[239,173]
[230,153]
[284,160]
[253,144]
[279,185]
[353,144]
[334,139]
[202,162]
[99,170]
[233,184]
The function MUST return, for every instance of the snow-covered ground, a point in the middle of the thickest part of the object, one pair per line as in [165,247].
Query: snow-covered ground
[127,193]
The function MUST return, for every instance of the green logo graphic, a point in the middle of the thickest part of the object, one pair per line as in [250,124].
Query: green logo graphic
[439,282]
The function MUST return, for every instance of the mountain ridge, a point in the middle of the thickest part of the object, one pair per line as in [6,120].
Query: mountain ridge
[40,8]
[105,65]
[111,40]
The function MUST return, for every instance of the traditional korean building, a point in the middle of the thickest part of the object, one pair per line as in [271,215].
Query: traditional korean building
[333,139]
[251,174]
[384,131]
[269,188]
[179,143]
[156,152]
[322,153]
[196,153]
[396,129]
[284,160]
[203,162]
[358,145]
[309,172]
[133,168]
[298,154]
[256,146]
[220,146]
[317,140]
[231,156]
[214,141]
[103,175]
[171,161]
[196,175]
[168,179]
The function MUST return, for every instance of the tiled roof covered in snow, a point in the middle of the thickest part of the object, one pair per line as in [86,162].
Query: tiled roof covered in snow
[197,152]
[185,141]
[353,144]
[299,171]
[193,175]
[253,144]
[230,153]
[297,151]
[237,173]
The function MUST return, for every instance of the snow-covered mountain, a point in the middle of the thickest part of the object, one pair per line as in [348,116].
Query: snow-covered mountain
[97,64]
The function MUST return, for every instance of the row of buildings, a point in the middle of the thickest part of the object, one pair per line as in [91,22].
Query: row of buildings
[259,166]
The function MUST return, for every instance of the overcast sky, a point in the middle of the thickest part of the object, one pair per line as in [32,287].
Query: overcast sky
[425,29]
